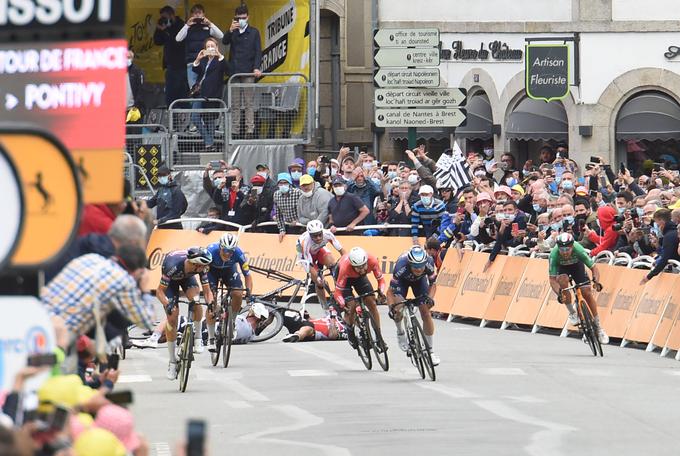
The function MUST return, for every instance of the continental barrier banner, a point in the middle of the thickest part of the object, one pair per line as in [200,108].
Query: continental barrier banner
[265,251]
[283,26]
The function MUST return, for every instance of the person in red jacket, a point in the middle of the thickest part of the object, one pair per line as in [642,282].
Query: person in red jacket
[607,237]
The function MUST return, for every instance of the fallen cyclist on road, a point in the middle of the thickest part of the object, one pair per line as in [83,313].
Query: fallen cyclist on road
[307,330]
[414,269]
[568,260]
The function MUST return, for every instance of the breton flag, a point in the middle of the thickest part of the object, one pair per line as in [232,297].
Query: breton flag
[452,171]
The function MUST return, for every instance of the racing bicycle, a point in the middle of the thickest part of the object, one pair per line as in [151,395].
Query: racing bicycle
[368,333]
[185,355]
[224,321]
[419,351]
[586,324]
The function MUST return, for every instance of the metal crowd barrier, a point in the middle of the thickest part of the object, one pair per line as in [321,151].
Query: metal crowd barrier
[146,147]
[194,122]
[270,112]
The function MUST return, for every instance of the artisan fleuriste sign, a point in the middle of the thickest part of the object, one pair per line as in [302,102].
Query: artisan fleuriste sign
[547,71]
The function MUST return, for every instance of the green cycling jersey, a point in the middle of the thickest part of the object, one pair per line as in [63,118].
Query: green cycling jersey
[578,254]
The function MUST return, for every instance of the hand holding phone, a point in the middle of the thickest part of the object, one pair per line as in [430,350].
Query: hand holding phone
[196,438]
[515,229]
[42,360]
[113,361]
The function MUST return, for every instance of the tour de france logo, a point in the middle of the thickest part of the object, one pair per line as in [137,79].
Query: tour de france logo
[36,340]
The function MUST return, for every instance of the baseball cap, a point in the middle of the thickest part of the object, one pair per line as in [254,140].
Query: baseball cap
[581,191]
[261,166]
[503,189]
[425,189]
[98,442]
[163,170]
[339,180]
[518,188]
[334,161]
[257,179]
[306,179]
[120,422]
[64,390]
[284,177]
[349,157]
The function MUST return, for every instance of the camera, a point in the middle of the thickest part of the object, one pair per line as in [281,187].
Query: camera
[324,159]
[488,221]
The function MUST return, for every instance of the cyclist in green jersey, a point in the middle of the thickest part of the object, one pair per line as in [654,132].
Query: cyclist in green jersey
[568,259]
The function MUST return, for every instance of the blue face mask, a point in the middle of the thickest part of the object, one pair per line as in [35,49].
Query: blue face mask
[427,200]
[657,228]
[391,174]
[537,207]
[376,181]
[217,182]
[163,180]
[567,185]
[296,175]
[621,210]
[640,211]
[569,219]
[555,226]
[543,228]
[511,182]
[284,188]
[311,171]
[242,23]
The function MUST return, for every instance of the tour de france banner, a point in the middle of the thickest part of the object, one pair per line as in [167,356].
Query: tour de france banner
[547,71]
[283,27]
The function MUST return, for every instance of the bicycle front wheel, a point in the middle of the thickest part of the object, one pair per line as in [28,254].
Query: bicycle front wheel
[589,329]
[215,356]
[227,336]
[425,349]
[377,343]
[271,326]
[186,355]
[363,342]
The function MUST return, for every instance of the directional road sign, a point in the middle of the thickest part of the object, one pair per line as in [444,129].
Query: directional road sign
[415,77]
[419,98]
[406,57]
[406,38]
[419,117]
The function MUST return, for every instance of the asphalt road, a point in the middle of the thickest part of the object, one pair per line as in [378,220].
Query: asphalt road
[497,392]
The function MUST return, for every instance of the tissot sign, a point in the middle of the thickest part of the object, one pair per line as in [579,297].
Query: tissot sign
[48,13]
[547,71]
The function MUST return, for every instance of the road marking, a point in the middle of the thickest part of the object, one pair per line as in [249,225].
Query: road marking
[310,373]
[502,371]
[673,372]
[329,357]
[213,374]
[141,378]
[525,399]
[546,442]
[238,404]
[303,419]
[244,391]
[161,449]
[586,372]
[454,392]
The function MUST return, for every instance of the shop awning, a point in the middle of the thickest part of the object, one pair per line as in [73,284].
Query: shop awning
[651,116]
[537,120]
[425,134]
[479,119]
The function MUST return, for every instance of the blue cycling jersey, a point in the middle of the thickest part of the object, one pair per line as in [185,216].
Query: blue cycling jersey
[173,268]
[237,257]
[403,273]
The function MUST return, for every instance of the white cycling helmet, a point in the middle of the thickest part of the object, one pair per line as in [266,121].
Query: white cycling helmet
[314,226]
[358,257]
[228,241]
[260,311]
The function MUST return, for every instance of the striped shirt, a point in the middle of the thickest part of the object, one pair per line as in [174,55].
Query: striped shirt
[92,278]
[428,216]
[286,205]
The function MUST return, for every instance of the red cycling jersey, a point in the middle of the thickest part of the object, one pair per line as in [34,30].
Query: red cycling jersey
[346,271]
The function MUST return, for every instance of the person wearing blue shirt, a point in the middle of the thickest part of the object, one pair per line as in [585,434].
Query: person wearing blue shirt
[225,256]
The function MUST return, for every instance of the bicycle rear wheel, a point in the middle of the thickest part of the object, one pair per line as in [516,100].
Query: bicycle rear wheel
[377,342]
[186,355]
[215,356]
[227,335]
[588,327]
[363,342]
[425,349]
[271,326]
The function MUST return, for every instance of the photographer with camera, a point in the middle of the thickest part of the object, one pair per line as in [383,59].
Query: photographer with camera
[167,28]
[667,231]
[483,228]
[511,230]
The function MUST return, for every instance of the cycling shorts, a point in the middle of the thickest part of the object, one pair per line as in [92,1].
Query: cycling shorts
[361,285]
[230,277]
[185,284]
[576,271]
[319,257]
[421,287]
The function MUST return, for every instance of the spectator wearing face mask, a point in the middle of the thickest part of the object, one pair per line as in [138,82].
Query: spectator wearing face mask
[345,209]
[606,237]
[134,83]
[228,197]
[502,194]
[424,165]
[366,190]
[285,204]
[667,231]
[313,204]
[456,225]
[400,212]
[170,199]
[427,212]
[483,204]
[257,206]
[508,162]
[296,169]
[262,169]
[511,231]
[567,183]
[167,28]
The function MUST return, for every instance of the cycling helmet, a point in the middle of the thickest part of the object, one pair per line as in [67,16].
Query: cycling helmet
[314,227]
[565,240]
[228,241]
[260,311]
[199,255]
[358,257]
[417,256]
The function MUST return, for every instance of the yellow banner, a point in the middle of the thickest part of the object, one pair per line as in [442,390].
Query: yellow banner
[283,27]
